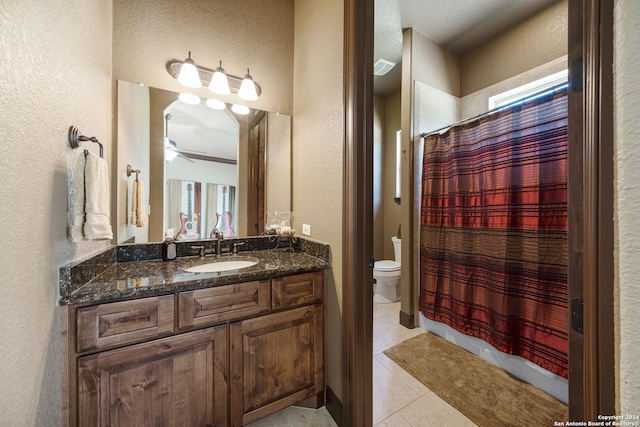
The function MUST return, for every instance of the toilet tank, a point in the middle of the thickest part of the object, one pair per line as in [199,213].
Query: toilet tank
[396,247]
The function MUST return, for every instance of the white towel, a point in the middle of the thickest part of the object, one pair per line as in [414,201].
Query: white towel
[76,231]
[134,203]
[138,214]
[97,225]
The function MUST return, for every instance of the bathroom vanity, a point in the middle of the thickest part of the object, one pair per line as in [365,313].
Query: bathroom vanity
[149,343]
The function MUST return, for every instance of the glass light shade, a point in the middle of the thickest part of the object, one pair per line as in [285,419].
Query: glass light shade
[216,104]
[219,83]
[240,109]
[189,98]
[248,88]
[189,75]
[170,154]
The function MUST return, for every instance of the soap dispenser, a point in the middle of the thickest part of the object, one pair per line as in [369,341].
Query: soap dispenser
[168,246]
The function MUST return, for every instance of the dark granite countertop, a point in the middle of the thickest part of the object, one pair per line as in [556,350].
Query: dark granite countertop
[112,280]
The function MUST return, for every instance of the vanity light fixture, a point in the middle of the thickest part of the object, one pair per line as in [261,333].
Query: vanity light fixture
[189,75]
[240,109]
[216,104]
[244,87]
[248,88]
[219,83]
[189,98]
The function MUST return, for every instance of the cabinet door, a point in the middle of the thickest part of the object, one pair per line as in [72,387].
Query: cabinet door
[177,381]
[276,361]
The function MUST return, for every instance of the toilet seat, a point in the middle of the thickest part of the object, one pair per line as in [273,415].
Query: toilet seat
[386,266]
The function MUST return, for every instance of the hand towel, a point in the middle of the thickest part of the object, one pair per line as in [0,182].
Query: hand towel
[97,225]
[134,203]
[76,231]
[138,214]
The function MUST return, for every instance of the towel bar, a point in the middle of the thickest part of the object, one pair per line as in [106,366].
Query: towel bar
[131,170]
[75,139]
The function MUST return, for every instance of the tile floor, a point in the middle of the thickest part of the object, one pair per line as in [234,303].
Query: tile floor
[399,400]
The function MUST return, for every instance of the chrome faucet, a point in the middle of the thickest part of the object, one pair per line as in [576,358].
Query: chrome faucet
[219,238]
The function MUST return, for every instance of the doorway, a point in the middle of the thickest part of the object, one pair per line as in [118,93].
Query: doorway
[590,46]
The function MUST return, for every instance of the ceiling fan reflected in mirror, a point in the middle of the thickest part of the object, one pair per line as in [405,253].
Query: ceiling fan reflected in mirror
[171,147]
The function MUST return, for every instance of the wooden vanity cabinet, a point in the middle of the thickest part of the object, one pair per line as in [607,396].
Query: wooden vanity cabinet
[220,356]
[276,361]
[175,381]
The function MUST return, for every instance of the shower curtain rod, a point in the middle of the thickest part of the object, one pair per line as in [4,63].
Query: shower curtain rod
[552,90]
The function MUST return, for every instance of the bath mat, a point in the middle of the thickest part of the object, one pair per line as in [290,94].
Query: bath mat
[484,393]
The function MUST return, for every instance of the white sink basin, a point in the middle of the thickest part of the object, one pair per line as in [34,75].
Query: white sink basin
[221,265]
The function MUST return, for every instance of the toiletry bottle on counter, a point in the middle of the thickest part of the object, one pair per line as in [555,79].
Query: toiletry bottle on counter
[168,246]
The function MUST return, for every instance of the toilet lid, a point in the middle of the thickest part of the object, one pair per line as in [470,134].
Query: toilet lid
[386,265]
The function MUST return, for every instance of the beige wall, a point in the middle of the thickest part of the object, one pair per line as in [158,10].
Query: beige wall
[56,72]
[627,202]
[536,41]
[433,65]
[278,186]
[252,34]
[317,149]
[379,164]
[391,208]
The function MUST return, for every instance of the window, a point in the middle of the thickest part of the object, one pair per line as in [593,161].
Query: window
[514,95]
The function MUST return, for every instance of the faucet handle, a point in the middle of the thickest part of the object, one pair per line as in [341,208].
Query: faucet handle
[235,247]
[199,249]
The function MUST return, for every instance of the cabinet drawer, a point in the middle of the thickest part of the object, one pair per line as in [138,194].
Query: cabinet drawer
[123,322]
[219,304]
[296,290]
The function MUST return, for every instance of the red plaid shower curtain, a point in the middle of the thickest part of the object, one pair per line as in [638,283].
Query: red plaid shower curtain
[493,230]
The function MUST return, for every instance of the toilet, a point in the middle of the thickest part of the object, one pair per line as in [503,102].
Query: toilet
[387,276]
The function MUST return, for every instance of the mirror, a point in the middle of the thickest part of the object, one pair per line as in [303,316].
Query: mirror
[200,168]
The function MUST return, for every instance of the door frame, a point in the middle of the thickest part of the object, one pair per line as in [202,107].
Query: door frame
[591,174]
[591,353]
[357,247]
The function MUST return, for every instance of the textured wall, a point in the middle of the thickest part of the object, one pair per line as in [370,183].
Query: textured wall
[254,34]
[627,158]
[536,41]
[317,150]
[56,72]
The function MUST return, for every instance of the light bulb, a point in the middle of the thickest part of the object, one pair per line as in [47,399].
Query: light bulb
[240,109]
[219,83]
[189,98]
[248,88]
[189,75]
[216,104]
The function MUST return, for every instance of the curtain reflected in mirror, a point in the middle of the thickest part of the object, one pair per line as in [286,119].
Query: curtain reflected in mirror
[194,210]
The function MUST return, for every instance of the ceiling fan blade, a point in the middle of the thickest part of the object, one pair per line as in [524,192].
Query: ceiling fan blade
[193,151]
[185,157]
